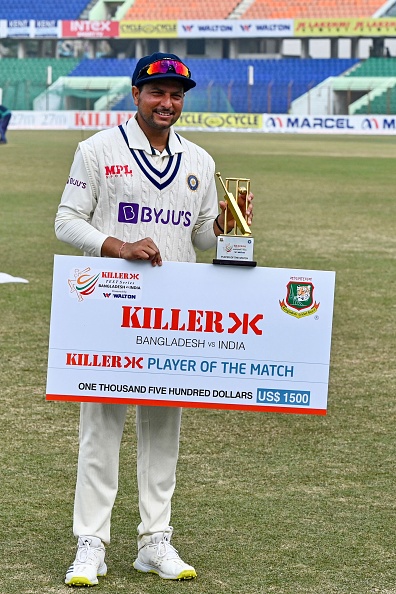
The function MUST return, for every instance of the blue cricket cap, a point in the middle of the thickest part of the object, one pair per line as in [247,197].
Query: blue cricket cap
[160,66]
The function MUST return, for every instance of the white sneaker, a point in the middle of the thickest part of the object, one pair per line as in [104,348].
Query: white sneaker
[88,564]
[157,555]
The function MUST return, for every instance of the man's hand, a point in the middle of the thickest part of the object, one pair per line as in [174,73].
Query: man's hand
[144,249]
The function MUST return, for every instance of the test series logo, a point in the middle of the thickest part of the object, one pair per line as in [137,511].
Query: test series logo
[85,281]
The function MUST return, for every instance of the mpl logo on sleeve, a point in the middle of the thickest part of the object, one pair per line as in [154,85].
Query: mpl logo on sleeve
[299,301]
[89,283]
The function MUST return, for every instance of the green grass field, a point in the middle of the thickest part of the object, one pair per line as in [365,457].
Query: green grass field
[265,503]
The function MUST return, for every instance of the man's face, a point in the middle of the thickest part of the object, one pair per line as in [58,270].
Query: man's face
[159,103]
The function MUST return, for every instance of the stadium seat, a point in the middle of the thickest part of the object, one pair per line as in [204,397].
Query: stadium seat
[180,10]
[275,9]
[384,103]
[225,82]
[23,80]
[375,67]
[45,9]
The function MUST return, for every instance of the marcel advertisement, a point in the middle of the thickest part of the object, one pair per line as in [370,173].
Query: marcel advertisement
[191,335]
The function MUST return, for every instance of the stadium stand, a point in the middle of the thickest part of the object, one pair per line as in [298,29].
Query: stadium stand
[23,80]
[45,9]
[281,9]
[195,9]
[179,9]
[383,104]
[379,98]
[375,67]
[223,84]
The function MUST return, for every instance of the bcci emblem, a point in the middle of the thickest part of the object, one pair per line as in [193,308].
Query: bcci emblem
[192,182]
[299,300]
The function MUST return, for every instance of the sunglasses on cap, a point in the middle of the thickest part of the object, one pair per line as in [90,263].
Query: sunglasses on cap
[164,66]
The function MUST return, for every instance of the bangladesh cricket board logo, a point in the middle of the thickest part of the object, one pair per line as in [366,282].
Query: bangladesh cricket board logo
[299,301]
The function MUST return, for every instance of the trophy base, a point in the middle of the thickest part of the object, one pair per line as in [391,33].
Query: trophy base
[235,250]
[250,263]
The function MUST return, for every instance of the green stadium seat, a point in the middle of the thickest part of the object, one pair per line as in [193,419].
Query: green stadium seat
[23,80]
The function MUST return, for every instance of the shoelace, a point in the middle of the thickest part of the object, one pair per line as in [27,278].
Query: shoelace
[164,547]
[86,554]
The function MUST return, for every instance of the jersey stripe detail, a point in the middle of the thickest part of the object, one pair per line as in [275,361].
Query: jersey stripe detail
[160,179]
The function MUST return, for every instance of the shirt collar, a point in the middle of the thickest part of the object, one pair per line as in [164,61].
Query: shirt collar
[139,141]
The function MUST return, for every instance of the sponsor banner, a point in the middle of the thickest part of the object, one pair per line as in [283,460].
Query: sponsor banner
[236,28]
[148,29]
[20,28]
[3,28]
[92,120]
[220,121]
[48,29]
[40,120]
[382,27]
[90,29]
[67,120]
[176,335]
[27,28]
[303,124]
[227,122]
[272,28]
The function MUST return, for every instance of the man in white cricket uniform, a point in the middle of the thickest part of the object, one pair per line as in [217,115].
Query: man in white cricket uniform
[137,191]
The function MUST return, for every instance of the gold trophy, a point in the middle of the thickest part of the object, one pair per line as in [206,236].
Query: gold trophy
[236,247]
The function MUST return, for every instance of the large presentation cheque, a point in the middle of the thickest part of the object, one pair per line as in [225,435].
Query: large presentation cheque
[193,335]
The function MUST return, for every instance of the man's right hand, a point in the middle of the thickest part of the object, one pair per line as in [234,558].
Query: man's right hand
[144,249]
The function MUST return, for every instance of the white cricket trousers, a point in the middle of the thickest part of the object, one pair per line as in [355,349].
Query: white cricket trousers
[101,428]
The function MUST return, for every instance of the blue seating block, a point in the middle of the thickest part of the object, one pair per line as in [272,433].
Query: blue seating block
[43,10]
[276,82]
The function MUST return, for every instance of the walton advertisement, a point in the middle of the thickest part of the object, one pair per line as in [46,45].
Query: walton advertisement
[193,335]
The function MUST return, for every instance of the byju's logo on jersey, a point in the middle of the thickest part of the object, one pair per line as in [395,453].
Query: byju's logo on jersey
[299,301]
[128,213]
[133,213]
[76,182]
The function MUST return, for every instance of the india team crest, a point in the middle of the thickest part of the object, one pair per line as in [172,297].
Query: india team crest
[299,300]
[192,182]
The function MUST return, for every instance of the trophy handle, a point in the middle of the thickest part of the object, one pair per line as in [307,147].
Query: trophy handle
[236,212]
